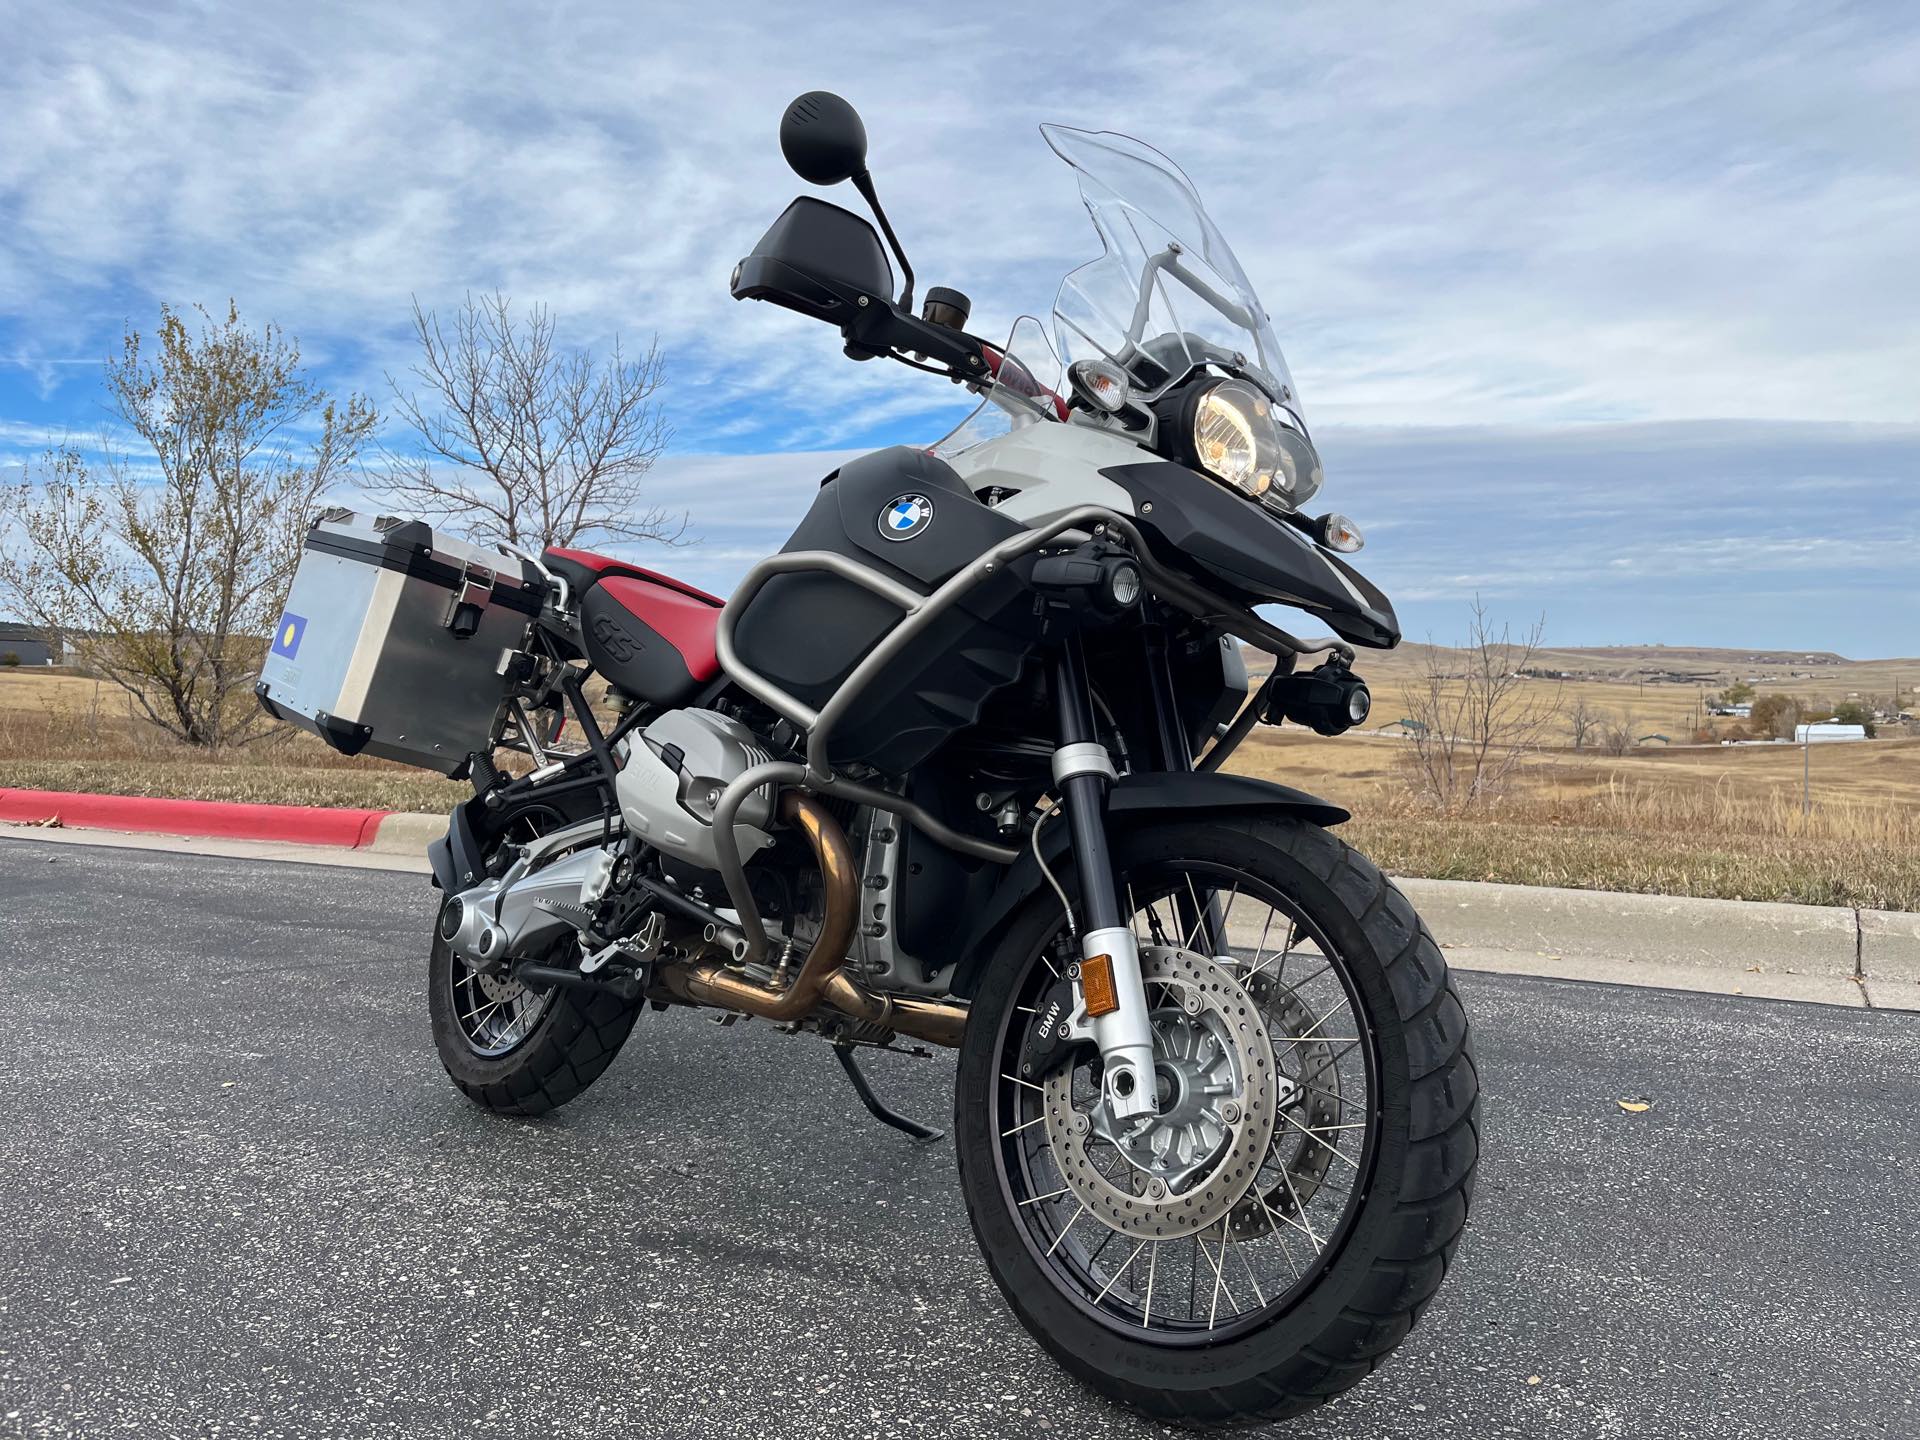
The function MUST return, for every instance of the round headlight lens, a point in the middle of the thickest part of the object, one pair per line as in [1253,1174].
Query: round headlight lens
[1237,439]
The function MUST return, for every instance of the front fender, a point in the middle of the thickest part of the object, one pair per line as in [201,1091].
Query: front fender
[1134,800]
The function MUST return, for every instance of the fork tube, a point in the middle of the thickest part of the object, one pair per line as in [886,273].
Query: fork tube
[1082,770]
[1084,794]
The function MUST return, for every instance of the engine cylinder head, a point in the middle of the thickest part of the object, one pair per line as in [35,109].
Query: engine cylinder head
[675,774]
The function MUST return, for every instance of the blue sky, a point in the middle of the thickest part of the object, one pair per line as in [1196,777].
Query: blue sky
[1610,314]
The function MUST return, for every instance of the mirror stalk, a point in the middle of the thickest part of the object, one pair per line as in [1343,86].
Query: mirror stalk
[863,182]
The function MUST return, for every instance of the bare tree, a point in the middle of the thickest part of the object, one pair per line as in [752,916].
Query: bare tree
[166,575]
[1479,725]
[1617,736]
[1582,722]
[523,441]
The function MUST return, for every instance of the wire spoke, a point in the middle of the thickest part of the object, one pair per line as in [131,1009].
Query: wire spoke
[1050,1195]
[1305,1224]
[1342,1155]
[1125,1269]
[1253,1279]
[1066,1229]
[1274,1220]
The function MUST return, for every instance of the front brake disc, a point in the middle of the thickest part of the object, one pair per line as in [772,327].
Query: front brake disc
[1153,1186]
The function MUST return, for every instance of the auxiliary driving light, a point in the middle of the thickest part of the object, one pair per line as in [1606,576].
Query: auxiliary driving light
[1329,699]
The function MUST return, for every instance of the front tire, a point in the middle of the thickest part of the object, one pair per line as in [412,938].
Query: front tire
[566,1042]
[1404,1124]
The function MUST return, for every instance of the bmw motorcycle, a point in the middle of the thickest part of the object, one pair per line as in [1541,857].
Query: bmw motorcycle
[948,771]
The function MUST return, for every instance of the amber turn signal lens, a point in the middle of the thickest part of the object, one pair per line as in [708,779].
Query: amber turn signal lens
[1096,983]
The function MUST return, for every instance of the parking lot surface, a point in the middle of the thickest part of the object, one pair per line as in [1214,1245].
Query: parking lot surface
[240,1197]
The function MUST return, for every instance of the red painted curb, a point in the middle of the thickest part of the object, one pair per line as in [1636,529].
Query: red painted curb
[300,824]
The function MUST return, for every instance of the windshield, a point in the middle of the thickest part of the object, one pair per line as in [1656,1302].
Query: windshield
[1168,294]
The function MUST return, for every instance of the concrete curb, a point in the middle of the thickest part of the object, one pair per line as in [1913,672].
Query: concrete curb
[1829,954]
[1890,957]
[1832,954]
[295,824]
[1761,936]
[404,834]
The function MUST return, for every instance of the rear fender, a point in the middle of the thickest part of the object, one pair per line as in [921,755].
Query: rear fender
[458,857]
[1135,800]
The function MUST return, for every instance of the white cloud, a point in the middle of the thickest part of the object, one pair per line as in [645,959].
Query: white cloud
[1497,214]
[1491,222]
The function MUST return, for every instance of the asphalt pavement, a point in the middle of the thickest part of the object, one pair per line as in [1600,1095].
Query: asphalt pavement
[240,1198]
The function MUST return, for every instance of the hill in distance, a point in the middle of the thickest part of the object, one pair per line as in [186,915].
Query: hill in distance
[1822,672]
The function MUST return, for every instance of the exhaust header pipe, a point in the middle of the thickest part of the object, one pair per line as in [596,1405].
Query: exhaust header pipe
[709,983]
[818,979]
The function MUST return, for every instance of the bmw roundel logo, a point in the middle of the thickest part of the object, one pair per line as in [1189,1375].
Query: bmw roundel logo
[905,516]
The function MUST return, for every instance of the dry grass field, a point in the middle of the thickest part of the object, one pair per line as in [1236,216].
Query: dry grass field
[68,732]
[1675,818]
[1678,819]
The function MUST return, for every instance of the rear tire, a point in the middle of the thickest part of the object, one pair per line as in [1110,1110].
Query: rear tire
[565,1051]
[1379,1272]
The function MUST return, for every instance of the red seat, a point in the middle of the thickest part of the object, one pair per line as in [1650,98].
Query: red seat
[650,635]
[685,623]
[583,569]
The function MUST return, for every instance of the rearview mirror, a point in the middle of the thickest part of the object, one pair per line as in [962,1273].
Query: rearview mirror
[823,139]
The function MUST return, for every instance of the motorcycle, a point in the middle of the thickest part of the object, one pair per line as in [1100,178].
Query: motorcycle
[947,771]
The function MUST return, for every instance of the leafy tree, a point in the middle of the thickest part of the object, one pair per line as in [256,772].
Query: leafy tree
[1737,693]
[1852,712]
[166,575]
[1775,715]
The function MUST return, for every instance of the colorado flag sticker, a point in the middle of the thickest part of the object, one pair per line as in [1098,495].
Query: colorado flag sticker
[286,640]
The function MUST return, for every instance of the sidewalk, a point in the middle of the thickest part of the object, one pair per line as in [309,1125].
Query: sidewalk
[1827,955]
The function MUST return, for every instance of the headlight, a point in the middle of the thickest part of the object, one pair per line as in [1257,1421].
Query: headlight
[1238,438]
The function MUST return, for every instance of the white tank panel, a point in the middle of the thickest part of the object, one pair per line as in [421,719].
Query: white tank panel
[1054,467]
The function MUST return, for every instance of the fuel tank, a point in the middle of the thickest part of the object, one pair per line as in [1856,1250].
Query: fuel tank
[906,514]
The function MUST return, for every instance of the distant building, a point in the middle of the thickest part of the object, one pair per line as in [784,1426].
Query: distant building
[26,645]
[1741,711]
[1826,730]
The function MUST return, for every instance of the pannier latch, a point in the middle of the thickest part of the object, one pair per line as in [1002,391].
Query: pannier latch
[470,596]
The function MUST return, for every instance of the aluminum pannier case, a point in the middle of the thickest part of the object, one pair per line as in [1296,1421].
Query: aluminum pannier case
[393,640]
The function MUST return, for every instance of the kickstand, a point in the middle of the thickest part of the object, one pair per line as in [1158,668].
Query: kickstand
[876,1107]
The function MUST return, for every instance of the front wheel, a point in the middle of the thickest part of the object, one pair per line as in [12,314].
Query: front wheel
[1276,1231]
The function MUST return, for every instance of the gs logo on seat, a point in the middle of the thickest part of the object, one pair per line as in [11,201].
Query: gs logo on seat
[906,516]
[620,644]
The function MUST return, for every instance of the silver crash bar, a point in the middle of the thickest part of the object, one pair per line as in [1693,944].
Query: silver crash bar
[917,613]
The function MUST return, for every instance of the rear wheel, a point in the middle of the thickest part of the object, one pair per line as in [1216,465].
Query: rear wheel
[1276,1232]
[518,1050]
